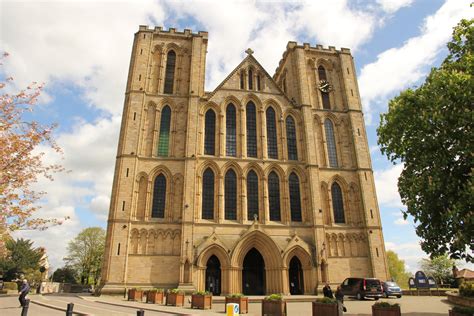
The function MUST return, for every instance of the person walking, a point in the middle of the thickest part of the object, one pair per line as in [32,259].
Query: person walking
[327,292]
[24,289]
[340,300]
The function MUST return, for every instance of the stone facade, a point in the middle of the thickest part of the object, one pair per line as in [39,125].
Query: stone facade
[181,213]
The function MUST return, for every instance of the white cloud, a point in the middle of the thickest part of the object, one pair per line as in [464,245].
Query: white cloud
[391,6]
[386,185]
[401,221]
[410,252]
[401,67]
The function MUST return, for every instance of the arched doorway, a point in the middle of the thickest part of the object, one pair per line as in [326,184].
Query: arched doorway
[213,275]
[296,277]
[253,273]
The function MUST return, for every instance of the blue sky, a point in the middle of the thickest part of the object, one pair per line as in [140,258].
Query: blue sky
[81,50]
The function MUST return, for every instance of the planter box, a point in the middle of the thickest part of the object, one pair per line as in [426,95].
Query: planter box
[201,301]
[321,309]
[135,295]
[175,299]
[273,308]
[154,297]
[242,301]
[386,311]
[452,313]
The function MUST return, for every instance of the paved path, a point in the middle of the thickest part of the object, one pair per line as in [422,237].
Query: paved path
[9,306]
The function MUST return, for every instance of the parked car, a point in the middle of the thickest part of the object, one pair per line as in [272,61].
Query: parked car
[362,287]
[391,289]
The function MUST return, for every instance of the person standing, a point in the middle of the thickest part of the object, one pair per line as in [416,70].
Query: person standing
[340,300]
[327,292]
[24,289]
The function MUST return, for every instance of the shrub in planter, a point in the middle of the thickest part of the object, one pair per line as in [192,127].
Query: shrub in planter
[466,289]
[325,307]
[201,300]
[240,299]
[175,297]
[386,309]
[274,305]
[135,294]
[461,311]
[155,296]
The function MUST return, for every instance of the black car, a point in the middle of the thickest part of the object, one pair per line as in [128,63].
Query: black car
[391,289]
[362,287]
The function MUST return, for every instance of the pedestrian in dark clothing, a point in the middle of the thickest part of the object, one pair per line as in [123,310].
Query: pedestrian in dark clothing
[340,300]
[327,292]
[24,289]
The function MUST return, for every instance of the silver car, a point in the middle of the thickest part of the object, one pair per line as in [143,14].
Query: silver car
[391,289]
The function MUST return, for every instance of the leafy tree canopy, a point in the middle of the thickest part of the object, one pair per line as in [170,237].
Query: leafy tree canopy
[397,270]
[440,268]
[85,254]
[21,258]
[430,131]
[65,275]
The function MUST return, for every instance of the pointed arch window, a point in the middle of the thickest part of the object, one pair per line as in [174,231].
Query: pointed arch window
[324,95]
[242,80]
[210,133]
[259,86]
[231,131]
[295,197]
[250,79]
[169,72]
[274,196]
[251,116]
[291,138]
[208,194]
[159,197]
[337,203]
[230,195]
[164,140]
[272,146]
[331,142]
[252,195]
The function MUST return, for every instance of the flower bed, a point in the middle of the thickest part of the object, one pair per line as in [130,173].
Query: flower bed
[325,307]
[386,309]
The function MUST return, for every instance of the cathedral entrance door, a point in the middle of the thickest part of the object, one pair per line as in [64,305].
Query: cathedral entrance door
[253,273]
[296,277]
[213,276]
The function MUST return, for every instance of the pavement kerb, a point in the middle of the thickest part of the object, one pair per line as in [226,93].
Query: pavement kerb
[145,308]
[76,312]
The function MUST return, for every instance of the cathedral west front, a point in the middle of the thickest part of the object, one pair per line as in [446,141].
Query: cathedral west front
[263,185]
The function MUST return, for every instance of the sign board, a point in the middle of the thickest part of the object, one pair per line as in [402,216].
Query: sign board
[421,281]
[232,309]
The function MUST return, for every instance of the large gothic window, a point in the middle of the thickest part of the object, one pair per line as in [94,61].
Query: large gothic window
[169,72]
[252,195]
[208,194]
[324,95]
[274,196]
[231,131]
[272,147]
[331,142]
[337,203]
[295,197]
[291,138]
[230,195]
[251,130]
[164,140]
[210,133]
[159,197]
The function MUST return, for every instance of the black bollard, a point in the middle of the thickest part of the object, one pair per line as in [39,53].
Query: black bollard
[69,309]
[141,312]
[24,310]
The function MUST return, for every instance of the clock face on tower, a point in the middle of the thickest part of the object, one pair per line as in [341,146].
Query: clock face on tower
[324,86]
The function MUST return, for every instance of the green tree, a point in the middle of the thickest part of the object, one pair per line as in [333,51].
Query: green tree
[85,254]
[440,268]
[397,270]
[65,275]
[430,131]
[21,258]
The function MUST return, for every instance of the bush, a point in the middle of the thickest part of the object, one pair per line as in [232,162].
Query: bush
[10,286]
[175,291]
[386,304]
[274,297]
[467,289]
[156,290]
[326,300]
[463,310]
[202,293]
[235,295]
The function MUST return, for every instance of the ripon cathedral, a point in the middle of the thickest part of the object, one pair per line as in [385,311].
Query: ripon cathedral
[263,185]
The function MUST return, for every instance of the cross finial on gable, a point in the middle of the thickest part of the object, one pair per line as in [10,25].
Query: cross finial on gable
[249,51]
